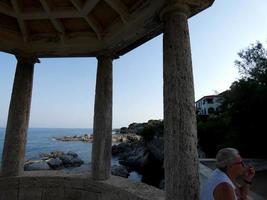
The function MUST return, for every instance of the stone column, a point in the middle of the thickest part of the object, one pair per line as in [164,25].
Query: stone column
[18,118]
[102,136]
[180,142]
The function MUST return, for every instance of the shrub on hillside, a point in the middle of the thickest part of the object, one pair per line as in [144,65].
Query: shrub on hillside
[152,128]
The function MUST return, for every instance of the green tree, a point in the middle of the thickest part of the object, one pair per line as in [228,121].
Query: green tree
[241,120]
[253,63]
[246,101]
[152,128]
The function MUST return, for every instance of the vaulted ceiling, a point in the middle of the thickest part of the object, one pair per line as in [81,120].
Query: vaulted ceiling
[55,28]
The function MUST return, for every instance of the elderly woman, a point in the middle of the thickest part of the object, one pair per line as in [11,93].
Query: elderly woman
[222,183]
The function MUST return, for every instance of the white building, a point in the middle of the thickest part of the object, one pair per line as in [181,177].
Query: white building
[207,104]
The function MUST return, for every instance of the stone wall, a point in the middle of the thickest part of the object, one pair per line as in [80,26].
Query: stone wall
[49,186]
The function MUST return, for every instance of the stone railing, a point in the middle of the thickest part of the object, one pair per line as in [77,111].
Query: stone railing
[46,185]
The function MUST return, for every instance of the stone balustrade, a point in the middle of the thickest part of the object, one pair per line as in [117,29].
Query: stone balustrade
[57,185]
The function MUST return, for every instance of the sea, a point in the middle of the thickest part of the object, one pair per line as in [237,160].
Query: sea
[41,140]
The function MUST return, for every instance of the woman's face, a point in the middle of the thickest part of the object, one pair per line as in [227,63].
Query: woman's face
[238,167]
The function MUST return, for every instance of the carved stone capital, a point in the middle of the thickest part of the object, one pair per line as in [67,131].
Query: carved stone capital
[180,8]
[29,59]
[105,57]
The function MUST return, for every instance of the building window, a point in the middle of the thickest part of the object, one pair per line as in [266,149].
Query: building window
[210,101]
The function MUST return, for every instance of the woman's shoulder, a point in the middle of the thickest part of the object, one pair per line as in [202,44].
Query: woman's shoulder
[224,190]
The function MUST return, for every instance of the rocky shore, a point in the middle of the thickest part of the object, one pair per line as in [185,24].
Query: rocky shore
[138,148]
[144,157]
[58,160]
[89,138]
[54,161]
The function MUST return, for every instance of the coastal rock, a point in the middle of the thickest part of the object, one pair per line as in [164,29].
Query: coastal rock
[70,161]
[66,160]
[136,161]
[131,154]
[134,128]
[54,160]
[125,148]
[124,130]
[52,154]
[145,157]
[39,165]
[125,138]
[119,171]
[83,138]
[136,156]
[116,138]
[73,154]
[55,163]
[77,161]
[156,148]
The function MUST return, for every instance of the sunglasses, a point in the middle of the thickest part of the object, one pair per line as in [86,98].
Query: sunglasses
[240,163]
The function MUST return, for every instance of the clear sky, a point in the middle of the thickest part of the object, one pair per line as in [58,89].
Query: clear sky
[64,89]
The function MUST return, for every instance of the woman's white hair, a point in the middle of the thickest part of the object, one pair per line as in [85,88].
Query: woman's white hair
[226,157]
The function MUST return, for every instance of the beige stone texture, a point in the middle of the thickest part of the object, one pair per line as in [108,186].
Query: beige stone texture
[44,185]
[18,118]
[180,133]
[101,150]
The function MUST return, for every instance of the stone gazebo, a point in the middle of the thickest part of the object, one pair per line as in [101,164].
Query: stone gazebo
[105,29]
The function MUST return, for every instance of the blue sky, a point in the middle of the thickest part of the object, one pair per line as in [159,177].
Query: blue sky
[64,89]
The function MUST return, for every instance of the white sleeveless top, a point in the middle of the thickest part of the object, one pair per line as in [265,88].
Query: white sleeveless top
[216,178]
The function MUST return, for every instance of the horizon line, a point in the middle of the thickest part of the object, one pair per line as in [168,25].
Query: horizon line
[59,128]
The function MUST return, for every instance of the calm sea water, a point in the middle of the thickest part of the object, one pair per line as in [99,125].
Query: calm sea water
[40,140]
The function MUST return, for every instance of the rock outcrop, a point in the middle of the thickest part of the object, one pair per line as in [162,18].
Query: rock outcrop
[53,161]
[58,160]
[89,138]
[145,157]
[138,156]
[119,170]
[38,165]
[83,138]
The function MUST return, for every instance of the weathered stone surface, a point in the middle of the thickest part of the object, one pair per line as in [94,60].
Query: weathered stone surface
[180,136]
[53,193]
[9,189]
[9,195]
[18,118]
[30,188]
[101,150]
[74,187]
[74,194]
